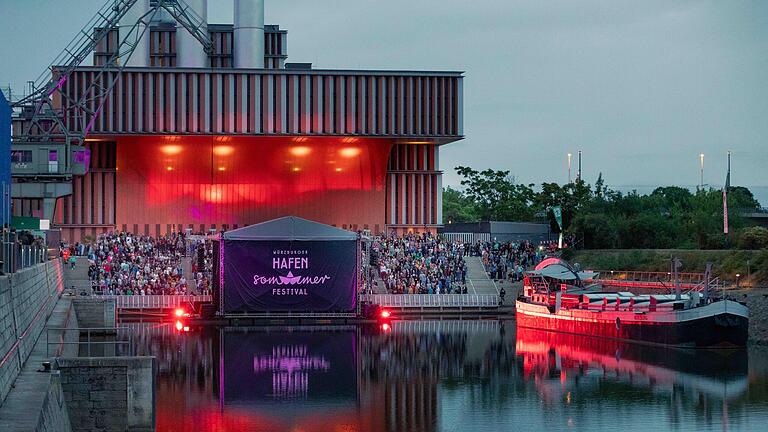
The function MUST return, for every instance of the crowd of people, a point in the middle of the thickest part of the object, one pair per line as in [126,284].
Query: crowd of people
[509,260]
[127,264]
[420,264]
[426,264]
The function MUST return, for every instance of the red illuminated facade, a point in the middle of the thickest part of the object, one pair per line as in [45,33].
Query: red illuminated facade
[219,149]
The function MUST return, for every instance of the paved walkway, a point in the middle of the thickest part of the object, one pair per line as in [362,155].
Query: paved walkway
[186,267]
[77,279]
[478,281]
[21,409]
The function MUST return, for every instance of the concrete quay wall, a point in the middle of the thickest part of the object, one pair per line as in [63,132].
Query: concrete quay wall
[27,299]
[96,312]
[109,393]
[54,416]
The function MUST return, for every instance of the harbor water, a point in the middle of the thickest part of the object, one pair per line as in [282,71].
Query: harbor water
[442,376]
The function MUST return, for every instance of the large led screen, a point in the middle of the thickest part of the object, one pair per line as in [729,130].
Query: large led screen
[236,181]
[289,276]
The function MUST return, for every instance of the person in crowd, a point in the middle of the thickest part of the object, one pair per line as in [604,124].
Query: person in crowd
[127,264]
[420,264]
[426,264]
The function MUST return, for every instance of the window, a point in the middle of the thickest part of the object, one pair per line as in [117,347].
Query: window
[21,156]
[53,161]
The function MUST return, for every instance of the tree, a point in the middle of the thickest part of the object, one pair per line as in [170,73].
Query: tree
[570,197]
[496,195]
[457,207]
[754,238]
[597,231]
[669,217]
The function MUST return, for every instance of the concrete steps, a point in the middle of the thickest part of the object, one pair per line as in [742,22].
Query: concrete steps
[478,281]
[186,266]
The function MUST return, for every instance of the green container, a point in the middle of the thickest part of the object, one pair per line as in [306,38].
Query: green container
[25,223]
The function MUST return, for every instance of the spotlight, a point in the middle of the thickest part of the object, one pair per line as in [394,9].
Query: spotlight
[300,151]
[171,149]
[223,150]
[349,152]
[385,314]
[179,312]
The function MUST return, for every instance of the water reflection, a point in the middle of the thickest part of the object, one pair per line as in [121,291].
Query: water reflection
[585,371]
[442,376]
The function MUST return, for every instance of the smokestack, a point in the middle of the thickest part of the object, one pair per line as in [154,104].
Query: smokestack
[140,56]
[189,51]
[249,34]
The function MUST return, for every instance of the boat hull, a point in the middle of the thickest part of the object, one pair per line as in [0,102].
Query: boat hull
[719,324]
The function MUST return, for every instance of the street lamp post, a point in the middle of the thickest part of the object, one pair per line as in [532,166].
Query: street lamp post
[569,167]
[701,162]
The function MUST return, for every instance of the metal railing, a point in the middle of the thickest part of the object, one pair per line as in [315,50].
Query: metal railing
[654,279]
[15,257]
[431,327]
[61,341]
[155,301]
[426,301]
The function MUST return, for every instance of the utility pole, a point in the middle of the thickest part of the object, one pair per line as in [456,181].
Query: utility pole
[578,176]
[701,162]
[725,199]
[676,264]
[569,167]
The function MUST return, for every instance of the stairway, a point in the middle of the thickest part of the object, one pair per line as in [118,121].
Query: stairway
[186,267]
[76,280]
[478,281]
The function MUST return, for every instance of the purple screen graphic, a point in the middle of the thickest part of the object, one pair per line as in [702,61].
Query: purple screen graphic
[282,365]
[293,276]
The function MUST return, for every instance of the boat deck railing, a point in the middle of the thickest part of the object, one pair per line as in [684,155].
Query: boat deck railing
[656,280]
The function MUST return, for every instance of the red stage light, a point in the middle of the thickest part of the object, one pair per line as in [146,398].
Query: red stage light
[179,325]
[349,152]
[171,149]
[223,150]
[385,313]
[300,151]
[179,312]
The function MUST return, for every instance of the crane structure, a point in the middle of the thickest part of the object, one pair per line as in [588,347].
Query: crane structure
[49,146]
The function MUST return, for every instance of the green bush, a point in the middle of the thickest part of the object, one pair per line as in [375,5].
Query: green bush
[754,238]
[726,263]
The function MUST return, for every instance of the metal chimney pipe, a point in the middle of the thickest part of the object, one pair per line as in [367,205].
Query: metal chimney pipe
[189,51]
[249,34]
[140,56]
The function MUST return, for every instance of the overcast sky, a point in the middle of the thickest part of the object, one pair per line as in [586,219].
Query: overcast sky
[641,87]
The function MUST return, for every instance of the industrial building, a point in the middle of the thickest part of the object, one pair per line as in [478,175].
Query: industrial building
[5,161]
[190,138]
[471,232]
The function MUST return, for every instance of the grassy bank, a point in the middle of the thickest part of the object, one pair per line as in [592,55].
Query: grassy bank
[726,263]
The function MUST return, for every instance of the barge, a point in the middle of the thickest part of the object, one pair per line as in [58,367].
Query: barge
[557,297]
